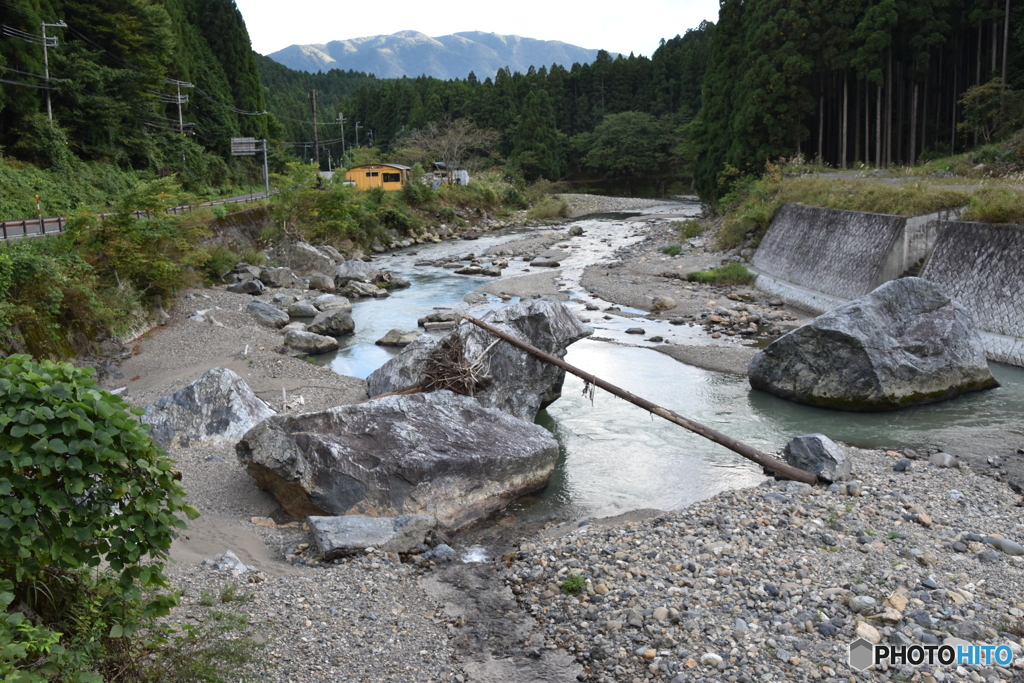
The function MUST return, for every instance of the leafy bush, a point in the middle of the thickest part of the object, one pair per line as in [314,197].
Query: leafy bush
[732,274]
[549,207]
[81,485]
[156,256]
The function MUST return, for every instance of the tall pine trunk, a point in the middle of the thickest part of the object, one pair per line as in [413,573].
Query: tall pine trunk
[878,127]
[856,125]
[888,112]
[846,109]
[912,157]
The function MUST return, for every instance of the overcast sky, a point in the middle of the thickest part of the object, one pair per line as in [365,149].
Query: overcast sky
[632,26]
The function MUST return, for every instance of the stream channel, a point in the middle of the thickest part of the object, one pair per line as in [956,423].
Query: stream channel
[615,456]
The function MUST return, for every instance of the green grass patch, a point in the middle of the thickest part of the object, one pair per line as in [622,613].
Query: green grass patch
[672,250]
[548,208]
[690,229]
[732,274]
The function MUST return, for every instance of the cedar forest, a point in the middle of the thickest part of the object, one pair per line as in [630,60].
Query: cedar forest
[874,81]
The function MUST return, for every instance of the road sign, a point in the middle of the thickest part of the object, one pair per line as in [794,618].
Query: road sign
[244,147]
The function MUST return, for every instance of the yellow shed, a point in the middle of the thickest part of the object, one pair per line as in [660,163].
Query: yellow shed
[388,176]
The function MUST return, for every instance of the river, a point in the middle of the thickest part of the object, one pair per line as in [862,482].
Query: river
[615,456]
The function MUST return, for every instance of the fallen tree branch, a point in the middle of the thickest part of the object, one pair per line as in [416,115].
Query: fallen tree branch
[768,462]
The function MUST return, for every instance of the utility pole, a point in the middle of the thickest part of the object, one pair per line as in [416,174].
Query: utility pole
[341,120]
[316,138]
[358,126]
[180,100]
[46,64]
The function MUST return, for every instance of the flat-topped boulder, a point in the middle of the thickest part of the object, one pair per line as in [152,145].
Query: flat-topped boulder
[304,342]
[904,344]
[219,407]
[438,454]
[350,534]
[511,379]
[302,258]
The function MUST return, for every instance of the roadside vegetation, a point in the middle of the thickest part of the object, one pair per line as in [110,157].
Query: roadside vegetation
[991,191]
[66,295]
[90,506]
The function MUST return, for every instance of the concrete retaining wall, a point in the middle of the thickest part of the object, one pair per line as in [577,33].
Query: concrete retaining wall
[838,253]
[982,267]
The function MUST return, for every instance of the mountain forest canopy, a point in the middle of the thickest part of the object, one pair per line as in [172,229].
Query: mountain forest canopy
[877,82]
[117,70]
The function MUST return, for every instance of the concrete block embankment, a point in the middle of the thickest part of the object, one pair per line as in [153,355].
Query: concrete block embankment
[982,266]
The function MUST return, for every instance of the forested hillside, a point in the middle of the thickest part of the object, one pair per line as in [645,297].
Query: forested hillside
[116,70]
[538,111]
[877,81]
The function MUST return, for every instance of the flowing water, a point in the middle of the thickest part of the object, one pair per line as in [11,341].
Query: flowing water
[615,456]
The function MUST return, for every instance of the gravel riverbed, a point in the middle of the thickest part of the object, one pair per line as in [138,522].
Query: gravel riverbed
[761,584]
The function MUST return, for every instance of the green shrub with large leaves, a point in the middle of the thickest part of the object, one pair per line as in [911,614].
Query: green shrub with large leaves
[81,482]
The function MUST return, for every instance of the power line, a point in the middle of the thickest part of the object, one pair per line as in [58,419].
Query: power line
[29,73]
[28,85]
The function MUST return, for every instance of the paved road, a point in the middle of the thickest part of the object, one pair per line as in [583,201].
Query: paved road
[33,227]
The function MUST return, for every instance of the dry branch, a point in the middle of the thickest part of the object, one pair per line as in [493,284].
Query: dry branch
[768,462]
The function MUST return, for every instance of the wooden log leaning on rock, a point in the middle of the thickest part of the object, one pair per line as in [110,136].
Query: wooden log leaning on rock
[768,462]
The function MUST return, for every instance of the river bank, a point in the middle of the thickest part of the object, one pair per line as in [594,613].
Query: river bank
[375,619]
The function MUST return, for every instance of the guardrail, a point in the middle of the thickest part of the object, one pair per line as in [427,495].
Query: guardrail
[40,227]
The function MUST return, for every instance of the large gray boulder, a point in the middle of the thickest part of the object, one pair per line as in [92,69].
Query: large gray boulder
[439,454]
[266,314]
[277,277]
[219,407]
[303,342]
[516,381]
[302,258]
[821,455]
[355,271]
[325,283]
[340,536]
[326,302]
[334,322]
[903,344]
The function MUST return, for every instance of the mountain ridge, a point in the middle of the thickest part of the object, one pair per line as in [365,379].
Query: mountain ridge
[412,53]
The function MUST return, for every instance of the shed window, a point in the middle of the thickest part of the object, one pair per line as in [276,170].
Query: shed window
[392,177]
[372,174]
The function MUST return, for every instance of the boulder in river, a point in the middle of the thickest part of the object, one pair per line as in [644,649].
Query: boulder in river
[334,322]
[219,407]
[349,534]
[398,338]
[359,290]
[438,454]
[903,344]
[511,379]
[821,455]
[325,302]
[355,271]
